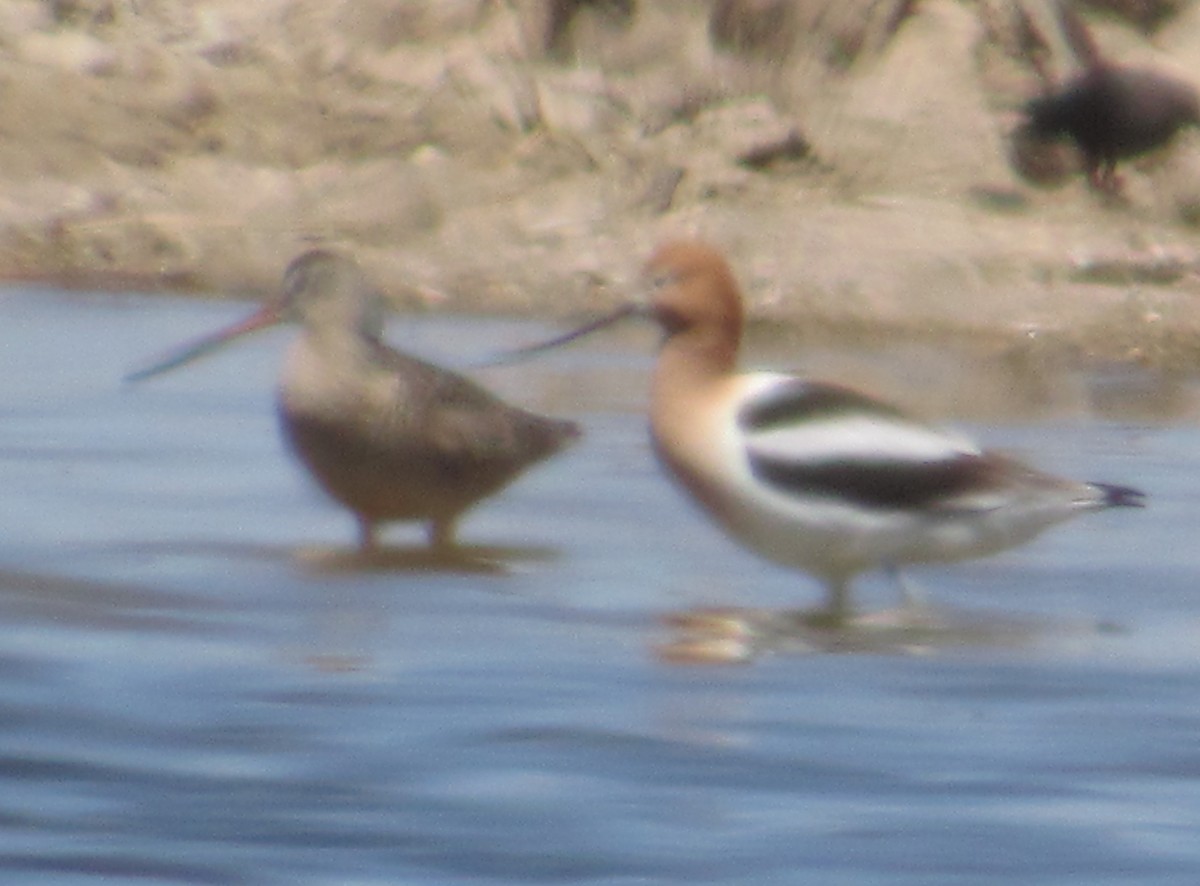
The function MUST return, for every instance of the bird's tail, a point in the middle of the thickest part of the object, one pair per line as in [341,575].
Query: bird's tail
[1121,496]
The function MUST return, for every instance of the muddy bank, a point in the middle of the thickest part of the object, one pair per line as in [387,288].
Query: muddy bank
[854,165]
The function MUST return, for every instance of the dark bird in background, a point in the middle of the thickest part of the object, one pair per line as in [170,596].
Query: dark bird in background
[1111,112]
[388,436]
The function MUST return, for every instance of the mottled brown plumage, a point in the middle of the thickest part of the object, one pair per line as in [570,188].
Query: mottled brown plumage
[390,437]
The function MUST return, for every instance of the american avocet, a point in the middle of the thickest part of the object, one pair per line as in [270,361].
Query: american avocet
[388,436]
[815,475]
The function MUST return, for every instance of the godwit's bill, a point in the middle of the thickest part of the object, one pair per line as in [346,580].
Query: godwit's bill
[266,317]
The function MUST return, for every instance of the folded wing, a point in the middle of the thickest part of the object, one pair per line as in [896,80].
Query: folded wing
[818,440]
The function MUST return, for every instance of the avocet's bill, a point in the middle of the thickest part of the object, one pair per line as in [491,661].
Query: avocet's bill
[625,311]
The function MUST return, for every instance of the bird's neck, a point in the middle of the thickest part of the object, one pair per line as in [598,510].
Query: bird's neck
[326,373]
[691,367]
[340,343]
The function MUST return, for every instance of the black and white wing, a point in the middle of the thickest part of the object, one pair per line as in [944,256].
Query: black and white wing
[812,439]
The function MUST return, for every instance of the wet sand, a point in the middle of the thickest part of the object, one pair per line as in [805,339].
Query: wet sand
[200,146]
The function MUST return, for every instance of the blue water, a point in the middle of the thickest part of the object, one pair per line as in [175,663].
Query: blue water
[199,685]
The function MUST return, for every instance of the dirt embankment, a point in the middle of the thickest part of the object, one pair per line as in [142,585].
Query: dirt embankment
[850,156]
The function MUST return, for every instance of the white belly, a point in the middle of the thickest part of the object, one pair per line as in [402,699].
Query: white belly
[821,534]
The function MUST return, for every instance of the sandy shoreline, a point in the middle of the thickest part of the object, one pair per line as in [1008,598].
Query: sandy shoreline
[169,146]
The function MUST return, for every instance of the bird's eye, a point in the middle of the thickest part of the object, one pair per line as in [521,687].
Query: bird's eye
[662,279]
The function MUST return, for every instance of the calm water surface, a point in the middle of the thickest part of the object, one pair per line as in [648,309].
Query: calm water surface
[199,685]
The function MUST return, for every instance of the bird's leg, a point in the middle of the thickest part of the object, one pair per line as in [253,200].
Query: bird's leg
[442,531]
[1104,179]
[915,598]
[1115,182]
[368,541]
[838,610]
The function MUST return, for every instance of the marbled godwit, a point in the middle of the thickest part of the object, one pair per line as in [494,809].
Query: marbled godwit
[389,436]
[818,476]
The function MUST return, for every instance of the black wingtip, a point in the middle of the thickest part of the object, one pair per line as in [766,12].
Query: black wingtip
[1121,496]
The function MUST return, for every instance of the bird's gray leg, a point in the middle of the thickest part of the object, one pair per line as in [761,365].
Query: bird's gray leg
[368,541]
[915,598]
[442,532]
[839,609]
